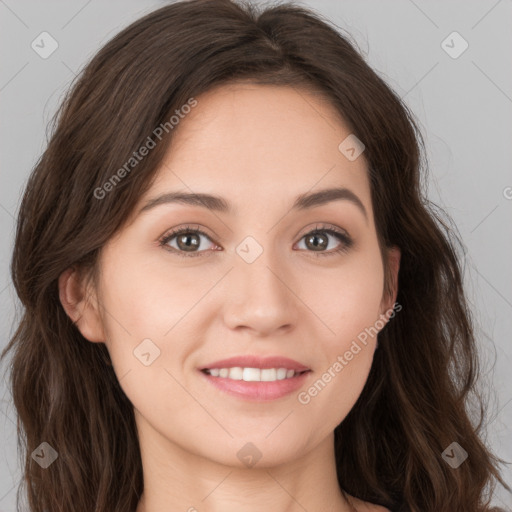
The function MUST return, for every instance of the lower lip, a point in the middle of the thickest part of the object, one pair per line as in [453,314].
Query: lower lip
[257,391]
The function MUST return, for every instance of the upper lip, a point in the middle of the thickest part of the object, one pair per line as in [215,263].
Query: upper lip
[252,361]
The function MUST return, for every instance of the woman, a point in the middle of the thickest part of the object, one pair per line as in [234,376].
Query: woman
[236,295]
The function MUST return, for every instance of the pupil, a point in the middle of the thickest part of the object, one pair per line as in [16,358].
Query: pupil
[187,244]
[315,244]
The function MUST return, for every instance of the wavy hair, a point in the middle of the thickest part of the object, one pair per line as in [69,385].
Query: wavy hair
[416,401]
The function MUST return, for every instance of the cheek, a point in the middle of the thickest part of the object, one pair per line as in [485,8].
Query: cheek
[347,299]
[146,298]
[144,312]
[348,303]
[152,314]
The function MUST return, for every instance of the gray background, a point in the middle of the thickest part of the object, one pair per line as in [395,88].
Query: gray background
[464,106]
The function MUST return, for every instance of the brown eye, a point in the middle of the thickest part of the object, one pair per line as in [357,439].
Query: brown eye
[187,241]
[317,241]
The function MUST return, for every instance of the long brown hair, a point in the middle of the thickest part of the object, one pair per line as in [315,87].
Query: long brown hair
[415,402]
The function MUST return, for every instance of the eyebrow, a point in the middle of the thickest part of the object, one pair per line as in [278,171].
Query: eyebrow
[219,204]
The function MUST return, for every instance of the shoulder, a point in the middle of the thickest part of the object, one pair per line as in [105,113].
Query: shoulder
[366,506]
[370,507]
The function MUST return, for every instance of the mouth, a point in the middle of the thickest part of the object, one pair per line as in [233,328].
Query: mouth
[249,374]
[254,362]
[256,379]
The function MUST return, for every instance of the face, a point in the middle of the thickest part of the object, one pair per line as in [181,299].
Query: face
[263,278]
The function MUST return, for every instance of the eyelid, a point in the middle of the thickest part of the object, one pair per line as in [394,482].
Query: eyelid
[323,226]
[172,233]
[341,234]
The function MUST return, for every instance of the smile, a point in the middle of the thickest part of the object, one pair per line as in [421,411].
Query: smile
[252,374]
[256,384]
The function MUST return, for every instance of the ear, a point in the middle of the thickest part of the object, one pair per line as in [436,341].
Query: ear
[81,305]
[391,280]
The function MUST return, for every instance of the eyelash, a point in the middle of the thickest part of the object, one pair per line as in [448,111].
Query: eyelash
[342,236]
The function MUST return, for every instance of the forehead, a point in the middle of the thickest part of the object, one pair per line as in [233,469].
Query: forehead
[260,142]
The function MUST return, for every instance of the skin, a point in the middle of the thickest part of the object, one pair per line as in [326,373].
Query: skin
[253,145]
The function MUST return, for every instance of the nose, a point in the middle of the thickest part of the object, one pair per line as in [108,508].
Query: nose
[263,296]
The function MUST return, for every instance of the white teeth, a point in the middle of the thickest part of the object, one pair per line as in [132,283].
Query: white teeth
[252,374]
[281,373]
[269,374]
[236,373]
